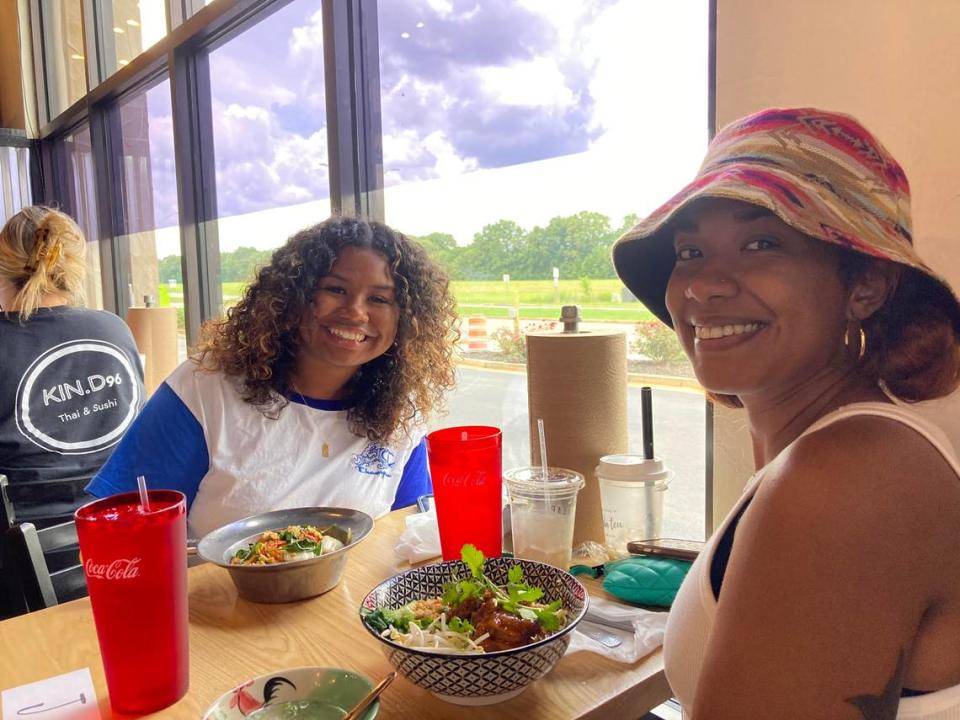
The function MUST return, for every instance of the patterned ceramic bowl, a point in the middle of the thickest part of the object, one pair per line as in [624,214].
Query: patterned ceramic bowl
[298,692]
[486,678]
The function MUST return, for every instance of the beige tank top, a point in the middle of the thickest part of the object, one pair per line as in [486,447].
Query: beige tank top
[692,614]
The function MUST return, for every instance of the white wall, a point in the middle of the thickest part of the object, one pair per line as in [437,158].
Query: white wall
[894,65]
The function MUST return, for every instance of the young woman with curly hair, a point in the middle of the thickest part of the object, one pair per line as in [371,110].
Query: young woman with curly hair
[312,390]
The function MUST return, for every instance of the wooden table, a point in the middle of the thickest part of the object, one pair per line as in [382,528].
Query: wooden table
[232,640]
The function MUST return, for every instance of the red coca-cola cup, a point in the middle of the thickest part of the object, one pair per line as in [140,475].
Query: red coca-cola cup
[465,467]
[136,566]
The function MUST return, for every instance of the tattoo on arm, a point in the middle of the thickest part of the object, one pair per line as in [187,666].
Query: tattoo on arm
[883,706]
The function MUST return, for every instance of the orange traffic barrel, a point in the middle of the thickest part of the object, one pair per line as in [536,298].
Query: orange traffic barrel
[477,332]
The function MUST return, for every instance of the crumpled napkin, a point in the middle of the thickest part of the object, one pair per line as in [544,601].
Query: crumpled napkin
[640,631]
[420,539]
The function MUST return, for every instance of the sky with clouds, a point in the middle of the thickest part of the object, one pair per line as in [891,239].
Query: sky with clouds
[491,109]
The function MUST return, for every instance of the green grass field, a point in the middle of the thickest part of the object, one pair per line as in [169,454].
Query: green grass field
[536,299]
[630,314]
[541,299]
[537,292]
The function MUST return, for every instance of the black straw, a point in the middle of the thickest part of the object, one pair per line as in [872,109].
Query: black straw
[646,421]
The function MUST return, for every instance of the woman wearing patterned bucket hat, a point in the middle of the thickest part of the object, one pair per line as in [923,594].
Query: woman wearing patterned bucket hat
[788,272]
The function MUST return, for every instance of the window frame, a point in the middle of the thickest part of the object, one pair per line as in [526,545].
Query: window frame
[354,134]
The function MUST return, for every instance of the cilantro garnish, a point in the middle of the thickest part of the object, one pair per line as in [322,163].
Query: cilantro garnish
[302,546]
[519,597]
[460,625]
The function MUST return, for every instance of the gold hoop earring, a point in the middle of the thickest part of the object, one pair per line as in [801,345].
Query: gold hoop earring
[862,345]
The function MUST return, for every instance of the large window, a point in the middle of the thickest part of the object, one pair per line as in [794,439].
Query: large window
[64,55]
[128,28]
[14,179]
[270,137]
[519,156]
[516,139]
[150,245]
[81,202]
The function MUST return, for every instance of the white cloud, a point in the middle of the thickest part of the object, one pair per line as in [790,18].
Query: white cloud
[447,162]
[236,112]
[566,16]
[259,164]
[406,154]
[307,40]
[446,10]
[443,8]
[536,83]
[649,85]
[243,80]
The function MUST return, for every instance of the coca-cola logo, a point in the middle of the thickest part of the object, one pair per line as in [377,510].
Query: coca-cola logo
[120,569]
[471,478]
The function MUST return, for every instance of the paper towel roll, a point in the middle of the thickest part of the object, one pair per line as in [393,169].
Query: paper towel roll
[577,383]
[155,332]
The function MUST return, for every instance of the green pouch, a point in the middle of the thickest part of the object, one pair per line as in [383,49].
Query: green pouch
[645,580]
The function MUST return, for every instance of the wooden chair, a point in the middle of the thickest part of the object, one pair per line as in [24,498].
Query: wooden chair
[41,568]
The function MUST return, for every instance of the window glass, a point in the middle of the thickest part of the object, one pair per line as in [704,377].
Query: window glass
[78,159]
[151,244]
[130,27]
[519,157]
[270,138]
[65,62]
[14,180]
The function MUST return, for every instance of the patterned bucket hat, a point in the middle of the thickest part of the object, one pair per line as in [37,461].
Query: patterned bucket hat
[820,172]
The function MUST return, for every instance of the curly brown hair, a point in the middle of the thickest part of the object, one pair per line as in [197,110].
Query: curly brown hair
[258,340]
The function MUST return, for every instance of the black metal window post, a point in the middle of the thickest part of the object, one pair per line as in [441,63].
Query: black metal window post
[196,187]
[107,151]
[354,138]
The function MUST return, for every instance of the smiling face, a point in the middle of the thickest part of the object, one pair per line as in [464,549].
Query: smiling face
[352,320]
[758,306]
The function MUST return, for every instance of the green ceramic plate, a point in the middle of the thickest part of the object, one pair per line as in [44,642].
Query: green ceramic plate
[306,693]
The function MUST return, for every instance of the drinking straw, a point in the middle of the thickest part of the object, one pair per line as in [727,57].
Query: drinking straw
[543,449]
[646,421]
[463,436]
[144,499]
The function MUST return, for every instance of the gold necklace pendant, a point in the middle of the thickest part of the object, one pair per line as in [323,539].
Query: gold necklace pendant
[325,448]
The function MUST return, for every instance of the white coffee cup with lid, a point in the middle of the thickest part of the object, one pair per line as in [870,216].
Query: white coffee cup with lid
[631,498]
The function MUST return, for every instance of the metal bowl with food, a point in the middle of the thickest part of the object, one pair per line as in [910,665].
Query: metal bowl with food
[313,569]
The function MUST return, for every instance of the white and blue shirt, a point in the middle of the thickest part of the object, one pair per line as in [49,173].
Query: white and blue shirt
[197,435]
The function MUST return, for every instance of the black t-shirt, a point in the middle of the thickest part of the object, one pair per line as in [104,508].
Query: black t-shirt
[71,383]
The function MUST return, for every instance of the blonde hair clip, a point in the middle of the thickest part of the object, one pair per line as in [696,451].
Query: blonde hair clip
[43,251]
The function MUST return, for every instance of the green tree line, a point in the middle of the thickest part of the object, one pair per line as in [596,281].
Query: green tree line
[236,266]
[579,245]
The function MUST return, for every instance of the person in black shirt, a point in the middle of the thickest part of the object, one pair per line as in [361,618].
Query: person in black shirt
[71,380]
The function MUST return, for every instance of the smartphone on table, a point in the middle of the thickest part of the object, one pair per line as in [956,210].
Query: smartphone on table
[667,548]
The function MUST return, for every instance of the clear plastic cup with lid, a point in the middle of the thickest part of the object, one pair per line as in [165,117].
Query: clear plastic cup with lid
[631,497]
[543,509]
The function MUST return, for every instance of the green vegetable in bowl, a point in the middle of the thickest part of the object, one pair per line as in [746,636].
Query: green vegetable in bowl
[472,614]
[295,542]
